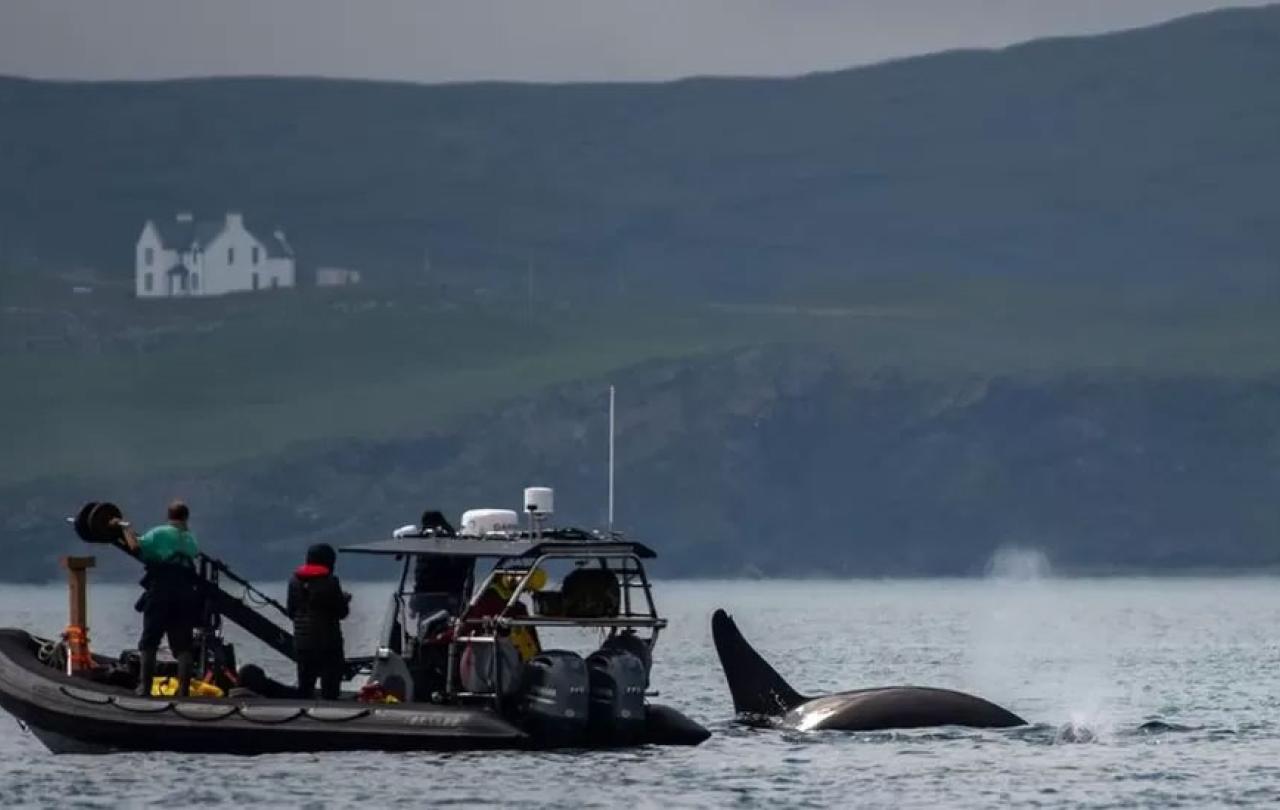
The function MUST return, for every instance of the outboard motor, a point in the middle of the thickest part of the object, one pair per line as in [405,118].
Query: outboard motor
[554,697]
[618,679]
[628,641]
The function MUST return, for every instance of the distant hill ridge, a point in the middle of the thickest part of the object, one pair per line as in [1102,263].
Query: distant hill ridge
[1151,151]
[780,461]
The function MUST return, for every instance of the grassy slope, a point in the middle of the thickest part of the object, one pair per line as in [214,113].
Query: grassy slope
[244,377]
[1078,162]
[197,383]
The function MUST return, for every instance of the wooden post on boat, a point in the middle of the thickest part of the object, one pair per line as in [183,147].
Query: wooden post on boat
[77,633]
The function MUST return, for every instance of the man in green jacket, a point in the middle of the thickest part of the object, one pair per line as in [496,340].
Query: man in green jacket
[170,604]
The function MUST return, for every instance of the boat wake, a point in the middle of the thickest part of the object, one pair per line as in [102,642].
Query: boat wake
[1093,730]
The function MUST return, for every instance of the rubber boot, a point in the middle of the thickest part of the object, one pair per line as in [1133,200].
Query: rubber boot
[146,671]
[184,674]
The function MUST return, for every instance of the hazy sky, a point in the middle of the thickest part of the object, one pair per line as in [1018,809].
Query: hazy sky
[422,40]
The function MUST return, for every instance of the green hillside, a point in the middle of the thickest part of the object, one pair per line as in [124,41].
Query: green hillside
[1098,156]
[782,460]
[115,387]
[943,304]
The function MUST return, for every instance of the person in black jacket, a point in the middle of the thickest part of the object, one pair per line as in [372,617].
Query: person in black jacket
[439,583]
[317,606]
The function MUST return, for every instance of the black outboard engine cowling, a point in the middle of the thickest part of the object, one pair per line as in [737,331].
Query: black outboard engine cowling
[629,642]
[618,679]
[553,697]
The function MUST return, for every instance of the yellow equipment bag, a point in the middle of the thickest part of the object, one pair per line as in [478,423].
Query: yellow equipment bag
[525,642]
[168,687]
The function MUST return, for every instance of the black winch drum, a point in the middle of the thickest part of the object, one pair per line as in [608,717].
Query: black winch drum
[93,522]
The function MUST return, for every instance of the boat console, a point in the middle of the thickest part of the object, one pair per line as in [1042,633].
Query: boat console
[480,643]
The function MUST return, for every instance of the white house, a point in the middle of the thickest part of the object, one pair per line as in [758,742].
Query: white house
[185,257]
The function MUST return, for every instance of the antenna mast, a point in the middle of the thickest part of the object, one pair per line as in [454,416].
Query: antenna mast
[611,426]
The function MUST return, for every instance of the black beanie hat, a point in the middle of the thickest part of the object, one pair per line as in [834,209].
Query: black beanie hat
[322,554]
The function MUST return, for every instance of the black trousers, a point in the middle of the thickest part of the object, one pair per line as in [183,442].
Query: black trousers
[166,614]
[327,666]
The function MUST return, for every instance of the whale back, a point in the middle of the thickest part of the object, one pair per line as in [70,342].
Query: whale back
[894,707]
[756,687]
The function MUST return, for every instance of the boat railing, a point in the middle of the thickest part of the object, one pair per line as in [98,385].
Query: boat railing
[621,622]
[624,563]
[636,610]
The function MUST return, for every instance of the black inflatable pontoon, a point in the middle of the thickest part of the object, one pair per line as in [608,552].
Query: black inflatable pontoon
[73,715]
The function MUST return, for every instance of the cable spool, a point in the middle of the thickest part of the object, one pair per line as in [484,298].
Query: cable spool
[93,522]
[81,522]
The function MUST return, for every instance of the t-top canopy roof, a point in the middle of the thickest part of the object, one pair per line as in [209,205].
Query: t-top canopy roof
[477,548]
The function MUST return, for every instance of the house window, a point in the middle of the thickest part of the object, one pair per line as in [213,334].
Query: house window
[255,254]
[255,281]
[195,282]
[149,256]
[146,282]
[231,255]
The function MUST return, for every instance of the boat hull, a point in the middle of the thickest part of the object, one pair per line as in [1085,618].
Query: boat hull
[72,715]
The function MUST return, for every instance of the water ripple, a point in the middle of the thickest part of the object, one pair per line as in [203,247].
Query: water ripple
[1142,692]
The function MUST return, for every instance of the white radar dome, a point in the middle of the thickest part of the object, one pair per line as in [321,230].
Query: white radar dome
[539,500]
[481,522]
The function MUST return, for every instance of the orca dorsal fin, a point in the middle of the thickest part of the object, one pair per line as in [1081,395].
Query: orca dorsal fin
[757,688]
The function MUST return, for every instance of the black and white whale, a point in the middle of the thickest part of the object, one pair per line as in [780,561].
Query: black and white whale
[758,690]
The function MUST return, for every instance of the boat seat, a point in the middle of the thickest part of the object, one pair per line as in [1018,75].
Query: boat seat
[548,603]
[591,593]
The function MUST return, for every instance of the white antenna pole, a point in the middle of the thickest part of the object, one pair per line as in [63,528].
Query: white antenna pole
[611,426]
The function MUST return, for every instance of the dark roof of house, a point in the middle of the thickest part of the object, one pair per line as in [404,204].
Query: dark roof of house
[277,246]
[176,235]
[207,231]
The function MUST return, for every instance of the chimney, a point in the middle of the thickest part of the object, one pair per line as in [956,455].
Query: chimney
[184,217]
[234,219]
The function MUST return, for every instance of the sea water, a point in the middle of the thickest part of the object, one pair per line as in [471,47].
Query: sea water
[1087,662]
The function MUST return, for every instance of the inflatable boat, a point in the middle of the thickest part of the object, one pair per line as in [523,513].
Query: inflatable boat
[459,664]
[70,714]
